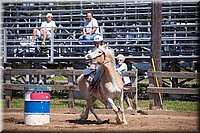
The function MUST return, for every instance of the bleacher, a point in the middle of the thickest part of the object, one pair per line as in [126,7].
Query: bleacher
[125,26]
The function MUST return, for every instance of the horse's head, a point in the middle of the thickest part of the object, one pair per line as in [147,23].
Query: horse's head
[96,57]
[100,54]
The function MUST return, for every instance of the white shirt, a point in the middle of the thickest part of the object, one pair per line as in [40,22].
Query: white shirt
[121,69]
[90,24]
[48,26]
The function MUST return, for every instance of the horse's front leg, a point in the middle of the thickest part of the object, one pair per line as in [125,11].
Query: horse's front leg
[122,108]
[116,110]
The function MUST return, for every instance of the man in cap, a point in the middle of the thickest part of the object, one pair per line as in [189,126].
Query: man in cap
[45,29]
[90,29]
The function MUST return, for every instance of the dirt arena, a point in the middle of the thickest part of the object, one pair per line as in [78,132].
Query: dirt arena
[67,120]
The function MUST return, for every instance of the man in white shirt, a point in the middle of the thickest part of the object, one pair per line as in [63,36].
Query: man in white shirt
[90,29]
[45,30]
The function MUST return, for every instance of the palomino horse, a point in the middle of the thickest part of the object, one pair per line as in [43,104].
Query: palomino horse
[110,85]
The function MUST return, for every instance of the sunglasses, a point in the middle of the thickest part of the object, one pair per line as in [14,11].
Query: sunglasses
[119,60]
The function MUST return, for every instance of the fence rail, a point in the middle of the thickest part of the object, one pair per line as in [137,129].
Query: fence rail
[70,86]
[153,89]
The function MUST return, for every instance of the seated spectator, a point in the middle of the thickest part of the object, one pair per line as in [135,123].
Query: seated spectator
[90,29]
[45,29]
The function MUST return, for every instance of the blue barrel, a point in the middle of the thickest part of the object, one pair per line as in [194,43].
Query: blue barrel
[37,105]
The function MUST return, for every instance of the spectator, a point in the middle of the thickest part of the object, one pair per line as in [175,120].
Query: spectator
[90,29]
[45,29]
[121,67]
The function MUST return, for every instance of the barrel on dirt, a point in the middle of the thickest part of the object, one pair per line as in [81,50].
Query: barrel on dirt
[37,105]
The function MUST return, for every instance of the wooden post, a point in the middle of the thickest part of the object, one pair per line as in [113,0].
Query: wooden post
[151,96]
[156,44]
[70,92]
[135,99]
[8,92]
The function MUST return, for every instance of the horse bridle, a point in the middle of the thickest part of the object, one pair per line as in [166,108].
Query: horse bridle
[104,57]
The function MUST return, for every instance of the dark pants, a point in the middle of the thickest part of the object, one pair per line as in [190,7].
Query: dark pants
[127,94]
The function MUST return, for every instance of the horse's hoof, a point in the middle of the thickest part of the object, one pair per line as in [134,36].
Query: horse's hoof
[125,123]
[83,117]
[106,121]
[118,120]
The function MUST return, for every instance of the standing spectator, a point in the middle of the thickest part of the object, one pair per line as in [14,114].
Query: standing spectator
[90,29]
[45,29]
[121,67]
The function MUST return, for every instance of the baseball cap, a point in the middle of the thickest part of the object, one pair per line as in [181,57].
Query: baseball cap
[98,38]
[49,15]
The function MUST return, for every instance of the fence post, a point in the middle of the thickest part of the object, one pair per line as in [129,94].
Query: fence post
[135,99]
[151,96]
[8,92]
[70,92]
[156,19]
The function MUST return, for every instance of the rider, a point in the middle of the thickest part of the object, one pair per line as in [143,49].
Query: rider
[93,72]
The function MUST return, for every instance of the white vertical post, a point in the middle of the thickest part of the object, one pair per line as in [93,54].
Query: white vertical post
[52,43]
[5,46]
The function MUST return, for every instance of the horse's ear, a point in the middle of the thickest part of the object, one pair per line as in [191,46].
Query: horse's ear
[104,46]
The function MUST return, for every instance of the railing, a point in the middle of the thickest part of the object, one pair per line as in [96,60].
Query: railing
[66,46]
[185,76]
[126,26]
[70,74]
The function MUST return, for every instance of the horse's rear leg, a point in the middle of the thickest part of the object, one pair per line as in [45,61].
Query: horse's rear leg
[92,101]
[84,116]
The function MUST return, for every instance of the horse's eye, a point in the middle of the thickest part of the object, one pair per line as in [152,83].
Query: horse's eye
[99,51]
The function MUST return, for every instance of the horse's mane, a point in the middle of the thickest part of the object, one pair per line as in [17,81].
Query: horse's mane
[108,52]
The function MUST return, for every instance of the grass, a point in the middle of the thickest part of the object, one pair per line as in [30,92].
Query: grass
[179,106]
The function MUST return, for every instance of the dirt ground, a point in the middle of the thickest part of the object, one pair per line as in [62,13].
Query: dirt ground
[67,120]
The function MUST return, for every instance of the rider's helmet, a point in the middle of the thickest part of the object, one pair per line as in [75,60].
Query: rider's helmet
[98,38]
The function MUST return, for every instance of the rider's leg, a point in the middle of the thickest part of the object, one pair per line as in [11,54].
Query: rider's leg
[97,74]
